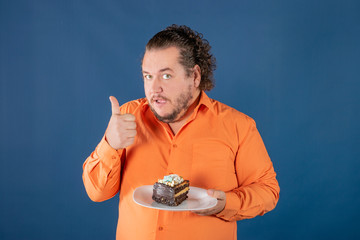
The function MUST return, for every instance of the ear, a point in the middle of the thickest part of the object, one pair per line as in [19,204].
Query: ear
[197,75]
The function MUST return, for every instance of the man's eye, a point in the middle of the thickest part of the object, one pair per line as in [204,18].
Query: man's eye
[166,76]
[147,76]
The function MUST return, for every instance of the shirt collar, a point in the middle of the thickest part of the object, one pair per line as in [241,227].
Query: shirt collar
[206,101]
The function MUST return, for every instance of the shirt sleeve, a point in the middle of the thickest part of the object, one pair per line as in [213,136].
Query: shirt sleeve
[258,190]
[101,172]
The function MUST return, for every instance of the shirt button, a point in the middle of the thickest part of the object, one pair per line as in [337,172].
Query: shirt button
[161,228]
[174,146]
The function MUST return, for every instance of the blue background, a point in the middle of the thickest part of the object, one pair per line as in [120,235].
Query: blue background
[294,66]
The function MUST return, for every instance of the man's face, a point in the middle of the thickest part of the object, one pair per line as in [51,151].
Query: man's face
[168,89]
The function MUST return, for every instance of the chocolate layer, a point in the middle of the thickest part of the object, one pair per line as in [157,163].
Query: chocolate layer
[165,194]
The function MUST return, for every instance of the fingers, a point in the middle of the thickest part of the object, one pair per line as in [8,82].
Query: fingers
[129,125]
[220,196]
[128,117]
[205,212]
[115,108]
[121,129]
[128,141]
[131,133]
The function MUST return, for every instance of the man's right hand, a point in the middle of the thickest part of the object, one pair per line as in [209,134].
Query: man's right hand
[121,130]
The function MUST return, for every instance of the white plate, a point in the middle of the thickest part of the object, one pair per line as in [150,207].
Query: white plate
[198,199]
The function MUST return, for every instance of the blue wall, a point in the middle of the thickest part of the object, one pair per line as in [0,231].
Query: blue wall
[291,65]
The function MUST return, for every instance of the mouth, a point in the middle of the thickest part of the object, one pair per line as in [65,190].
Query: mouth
[159,100]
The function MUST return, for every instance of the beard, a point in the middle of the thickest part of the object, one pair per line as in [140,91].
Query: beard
[181,105]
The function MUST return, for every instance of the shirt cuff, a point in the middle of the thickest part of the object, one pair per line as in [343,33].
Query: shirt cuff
[106,152]
[232,207]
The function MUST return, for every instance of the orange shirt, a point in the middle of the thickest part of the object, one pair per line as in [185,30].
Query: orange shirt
[217,148]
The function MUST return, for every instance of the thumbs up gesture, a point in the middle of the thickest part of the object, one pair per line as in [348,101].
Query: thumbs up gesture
[121,130]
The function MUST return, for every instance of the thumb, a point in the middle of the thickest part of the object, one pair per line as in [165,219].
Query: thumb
[216,194]
[115,108]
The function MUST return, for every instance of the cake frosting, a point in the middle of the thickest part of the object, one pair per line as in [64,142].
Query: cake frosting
[171,180]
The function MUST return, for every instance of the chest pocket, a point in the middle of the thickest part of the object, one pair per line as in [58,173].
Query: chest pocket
[212,165]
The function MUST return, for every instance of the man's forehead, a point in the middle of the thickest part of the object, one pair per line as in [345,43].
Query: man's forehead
[160,59]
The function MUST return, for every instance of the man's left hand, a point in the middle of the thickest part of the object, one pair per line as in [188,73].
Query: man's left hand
[220,196]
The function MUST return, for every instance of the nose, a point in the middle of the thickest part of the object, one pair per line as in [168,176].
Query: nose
[156,85]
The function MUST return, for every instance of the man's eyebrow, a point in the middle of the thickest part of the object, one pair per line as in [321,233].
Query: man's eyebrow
[166,69]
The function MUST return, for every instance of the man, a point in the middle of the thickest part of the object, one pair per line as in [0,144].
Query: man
[178,129]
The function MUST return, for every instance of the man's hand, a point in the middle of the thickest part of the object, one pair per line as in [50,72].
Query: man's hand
[220,196]
[121,130]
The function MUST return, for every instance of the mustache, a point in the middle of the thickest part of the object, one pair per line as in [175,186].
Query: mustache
[156,97]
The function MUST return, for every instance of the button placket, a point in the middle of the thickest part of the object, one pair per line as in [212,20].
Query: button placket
[173,148]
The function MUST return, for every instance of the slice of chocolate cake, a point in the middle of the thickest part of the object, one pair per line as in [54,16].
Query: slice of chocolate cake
[172,190]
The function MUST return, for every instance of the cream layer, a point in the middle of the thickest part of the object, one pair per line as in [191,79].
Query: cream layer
[181,192]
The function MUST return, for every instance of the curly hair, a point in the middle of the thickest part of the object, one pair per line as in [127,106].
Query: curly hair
[194,50]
